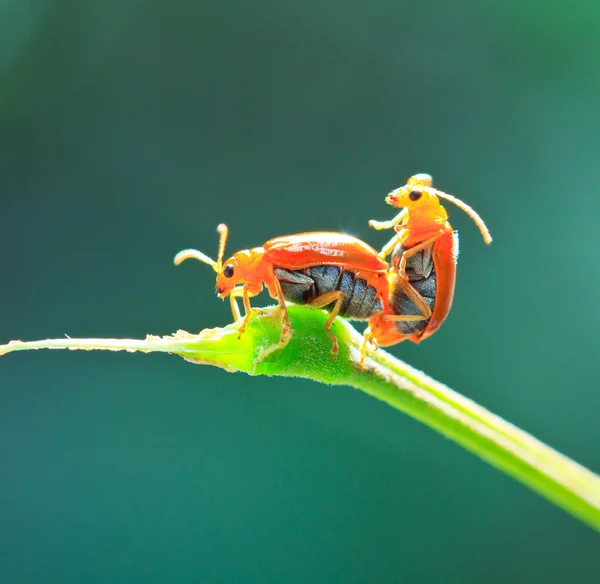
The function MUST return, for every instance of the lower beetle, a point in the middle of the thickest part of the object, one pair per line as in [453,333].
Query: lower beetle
[325,269]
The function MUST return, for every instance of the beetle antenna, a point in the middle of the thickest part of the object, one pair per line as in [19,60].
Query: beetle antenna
[223,232]
[469,211]
[187,254]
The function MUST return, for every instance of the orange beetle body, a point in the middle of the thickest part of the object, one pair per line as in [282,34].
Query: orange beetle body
[424,255]
[255,267]
[320,269]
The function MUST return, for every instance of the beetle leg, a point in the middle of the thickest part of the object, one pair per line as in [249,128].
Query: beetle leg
[367,338]
[246,295]
[233,296]
[247,306]
[416,299]
[323,300]
[379,225]
[285,333]
[412,251]
[243,292]
[403,317]
[388,248]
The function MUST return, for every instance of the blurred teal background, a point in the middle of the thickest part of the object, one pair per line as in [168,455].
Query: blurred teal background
[129,129]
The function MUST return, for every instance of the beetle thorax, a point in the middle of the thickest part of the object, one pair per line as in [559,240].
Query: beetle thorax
[249,262]
[250,268]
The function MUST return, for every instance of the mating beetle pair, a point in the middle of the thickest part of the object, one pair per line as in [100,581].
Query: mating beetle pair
[408,300]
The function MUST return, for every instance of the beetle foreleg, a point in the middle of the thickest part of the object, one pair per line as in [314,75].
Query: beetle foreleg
[379,225]
[245,294]
[323,300]
[388,247]
[235,310]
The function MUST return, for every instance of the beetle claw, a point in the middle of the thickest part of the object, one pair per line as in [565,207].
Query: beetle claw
[334,352]
[286,333]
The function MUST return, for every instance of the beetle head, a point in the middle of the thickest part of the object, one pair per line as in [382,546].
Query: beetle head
[422,202]
[229,275]
[419,199]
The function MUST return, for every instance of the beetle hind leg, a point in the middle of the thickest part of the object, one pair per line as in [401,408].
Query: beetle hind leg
[286,333]
[417,299]
[368,337]
[337,297]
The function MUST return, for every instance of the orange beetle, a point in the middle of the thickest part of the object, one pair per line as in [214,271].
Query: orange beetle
[424,255]
[321,269]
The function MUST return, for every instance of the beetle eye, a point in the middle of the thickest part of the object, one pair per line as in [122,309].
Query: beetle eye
[228,271]
[415,195]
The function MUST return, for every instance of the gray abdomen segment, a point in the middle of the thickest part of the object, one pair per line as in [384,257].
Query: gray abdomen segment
[421,274]
[360,302]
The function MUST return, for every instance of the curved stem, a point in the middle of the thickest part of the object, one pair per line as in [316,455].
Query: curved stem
[307,354]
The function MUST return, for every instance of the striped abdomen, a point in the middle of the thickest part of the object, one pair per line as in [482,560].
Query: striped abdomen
[420,270]
[360,301]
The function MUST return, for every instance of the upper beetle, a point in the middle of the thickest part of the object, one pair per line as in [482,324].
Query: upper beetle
[424,255]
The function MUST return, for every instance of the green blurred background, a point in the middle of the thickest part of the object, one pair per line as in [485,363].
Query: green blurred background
[129,129]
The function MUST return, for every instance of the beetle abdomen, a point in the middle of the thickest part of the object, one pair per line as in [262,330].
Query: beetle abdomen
[360,301]
[420,271]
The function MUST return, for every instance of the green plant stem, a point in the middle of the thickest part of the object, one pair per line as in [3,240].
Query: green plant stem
[259,351]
